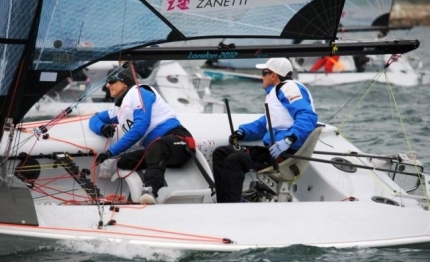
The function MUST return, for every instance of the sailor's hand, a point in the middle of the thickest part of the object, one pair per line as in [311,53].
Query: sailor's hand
[236,136]
[103,156]
[108,130]
[277,148]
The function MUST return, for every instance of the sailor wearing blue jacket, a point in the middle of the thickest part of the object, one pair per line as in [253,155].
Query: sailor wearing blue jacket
[292,115]
[148,123]
[293,118]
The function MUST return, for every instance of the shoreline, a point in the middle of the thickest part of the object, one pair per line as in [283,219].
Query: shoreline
[404,14]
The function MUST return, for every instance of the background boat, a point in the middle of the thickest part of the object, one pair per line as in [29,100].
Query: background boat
[359,20]
[400,73]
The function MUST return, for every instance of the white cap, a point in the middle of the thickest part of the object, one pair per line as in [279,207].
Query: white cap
[279,65]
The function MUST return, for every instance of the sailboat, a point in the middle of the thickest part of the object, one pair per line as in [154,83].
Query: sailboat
[357,17]
[329,194]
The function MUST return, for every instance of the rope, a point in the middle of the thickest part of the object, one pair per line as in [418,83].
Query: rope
[209,239]
[376,77]
[358,103]
[186,236]
[422,183]
[133,71]
[391,60]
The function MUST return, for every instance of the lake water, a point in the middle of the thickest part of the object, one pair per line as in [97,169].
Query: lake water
[373,127]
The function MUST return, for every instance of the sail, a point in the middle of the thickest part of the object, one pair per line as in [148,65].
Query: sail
[14,32]
[369,15]
[168,20]
[44,41]
[366,13]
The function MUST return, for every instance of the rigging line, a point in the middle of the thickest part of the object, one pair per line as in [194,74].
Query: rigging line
[116,208]
[7,151]
[392,106]
[408,141]
[10,149]
[136,81]
[38,186]
[391,92]
[42,48]
[92,90]
[372,82]
[357,104]
[14,93]
[107,232]
[68,56]
[14,148]
[57,191]
[102,82]
[138,164]
[122,32]
[73,144]
[363,166]
[52,194]
[28,168]
[54,178]
[375,176]
[153,10]
[74,105]
[192,236]
[355,154]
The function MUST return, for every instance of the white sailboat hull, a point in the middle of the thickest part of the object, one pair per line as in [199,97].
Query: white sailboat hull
[251,225]
[186,217]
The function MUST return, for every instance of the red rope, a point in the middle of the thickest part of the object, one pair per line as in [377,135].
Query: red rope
[133,71]
[393,58]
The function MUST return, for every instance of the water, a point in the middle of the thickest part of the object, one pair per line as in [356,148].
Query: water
[92,252]
[373,127]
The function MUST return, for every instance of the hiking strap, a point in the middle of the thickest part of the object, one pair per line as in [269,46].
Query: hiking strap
[202,170]
[191,148]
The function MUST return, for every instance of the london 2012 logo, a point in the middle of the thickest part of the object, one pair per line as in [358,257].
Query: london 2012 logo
[181,4]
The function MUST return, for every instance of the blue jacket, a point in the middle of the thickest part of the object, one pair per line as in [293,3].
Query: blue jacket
[305,120]
[138,125]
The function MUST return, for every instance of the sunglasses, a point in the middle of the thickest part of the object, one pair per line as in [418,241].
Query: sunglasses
[266,72]
[113,79]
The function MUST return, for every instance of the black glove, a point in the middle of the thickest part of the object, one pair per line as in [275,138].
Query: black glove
[108,130]
[236,136]
[103,156]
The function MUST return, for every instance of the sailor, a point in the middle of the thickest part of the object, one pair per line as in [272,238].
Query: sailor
[148,121]
[330,63]
[293,118]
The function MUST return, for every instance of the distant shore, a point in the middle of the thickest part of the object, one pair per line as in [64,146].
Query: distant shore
[404,14]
